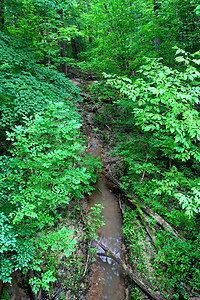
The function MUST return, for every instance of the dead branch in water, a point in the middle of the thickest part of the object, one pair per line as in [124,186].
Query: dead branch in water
[129,272]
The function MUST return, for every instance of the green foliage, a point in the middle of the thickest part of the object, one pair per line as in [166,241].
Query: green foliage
[43,282]
[48,245]
[116,29]
[160,159]
[172,186]
[57,241]
[53,22]
[111,36]
[123,32]
[4,294]
[149,178]
[182,260]
[95,221]
[51,171]
[164,104]
[16,250]
[26,87]
[46,167]
[101,93]
[180,27]
[45,171]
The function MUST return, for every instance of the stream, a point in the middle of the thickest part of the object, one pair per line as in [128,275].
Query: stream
[108,279]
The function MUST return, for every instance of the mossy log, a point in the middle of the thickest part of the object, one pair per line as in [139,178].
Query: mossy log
[129,272]
[146,210]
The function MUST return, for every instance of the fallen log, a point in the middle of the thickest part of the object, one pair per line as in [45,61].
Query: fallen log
[149,212]
[129,272]
[146,225]
[143,220]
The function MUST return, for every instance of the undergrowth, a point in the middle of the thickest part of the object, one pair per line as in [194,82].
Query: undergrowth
[43,170]
[152,168]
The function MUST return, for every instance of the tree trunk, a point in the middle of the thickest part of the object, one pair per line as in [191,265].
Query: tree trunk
[74,49]
[2,20]
[63,65]
[157,40]
[1,285]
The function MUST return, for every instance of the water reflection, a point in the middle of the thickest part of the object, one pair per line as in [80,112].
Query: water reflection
[108,280]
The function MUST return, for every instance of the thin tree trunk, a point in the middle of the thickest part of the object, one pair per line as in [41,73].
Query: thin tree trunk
[157,40]
[1,285]
[49,43]
[74,49]
[63,65]
[2,20]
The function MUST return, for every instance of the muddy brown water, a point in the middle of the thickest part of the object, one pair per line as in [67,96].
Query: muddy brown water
[108,279]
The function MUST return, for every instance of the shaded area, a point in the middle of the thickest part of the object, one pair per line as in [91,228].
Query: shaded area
[108,278]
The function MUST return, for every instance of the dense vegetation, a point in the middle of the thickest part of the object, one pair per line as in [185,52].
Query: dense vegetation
[146,55]
[43,162]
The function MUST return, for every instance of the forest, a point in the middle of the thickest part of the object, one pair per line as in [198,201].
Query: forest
[137,64]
